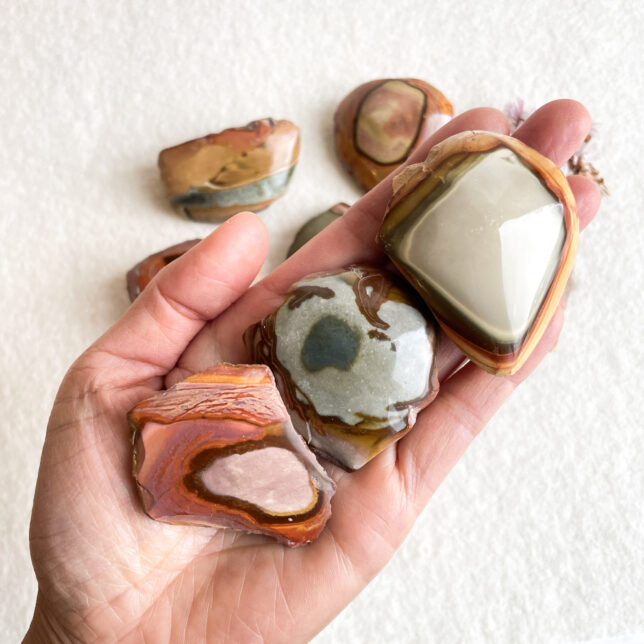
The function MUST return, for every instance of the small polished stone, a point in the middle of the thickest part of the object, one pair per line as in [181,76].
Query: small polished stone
[380,123]
[312,227]
[486,230]
[242,168]
[141,275]
[354,356]
[219,449]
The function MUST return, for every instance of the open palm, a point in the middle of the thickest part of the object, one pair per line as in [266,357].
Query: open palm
[106,571]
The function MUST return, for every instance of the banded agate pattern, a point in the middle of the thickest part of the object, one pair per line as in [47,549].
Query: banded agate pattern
[216,176]
[219,449]
[354,357]
[486,231]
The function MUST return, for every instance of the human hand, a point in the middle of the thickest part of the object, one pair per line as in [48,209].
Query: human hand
[107,572]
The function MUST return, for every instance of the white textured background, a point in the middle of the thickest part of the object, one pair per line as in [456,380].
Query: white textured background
[538,534]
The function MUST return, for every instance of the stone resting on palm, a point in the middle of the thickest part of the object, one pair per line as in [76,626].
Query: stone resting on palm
[107,572]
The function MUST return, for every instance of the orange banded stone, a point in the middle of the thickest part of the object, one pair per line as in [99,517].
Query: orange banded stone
[218,449]
[380,123]
[242,168]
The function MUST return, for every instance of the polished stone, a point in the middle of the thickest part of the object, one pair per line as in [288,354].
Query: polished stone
[484,230]
[243,168]
[141,275]
[219,449]
[380,123]
[315,225]
[353,353]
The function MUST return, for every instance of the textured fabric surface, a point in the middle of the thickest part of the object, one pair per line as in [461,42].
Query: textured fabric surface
[538,534]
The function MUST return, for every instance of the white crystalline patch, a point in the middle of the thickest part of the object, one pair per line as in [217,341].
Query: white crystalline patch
[491,244]
[272,478]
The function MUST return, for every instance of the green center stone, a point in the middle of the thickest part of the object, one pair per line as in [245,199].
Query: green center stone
[331,342]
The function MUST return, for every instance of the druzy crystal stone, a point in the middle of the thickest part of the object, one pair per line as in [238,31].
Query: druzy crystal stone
[315,225]
[219,449]
[141,275]
[486,230]
[237,169]
[353,355]
[380,123]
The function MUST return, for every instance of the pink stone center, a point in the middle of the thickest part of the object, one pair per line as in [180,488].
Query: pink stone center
[272,478]
[389,120]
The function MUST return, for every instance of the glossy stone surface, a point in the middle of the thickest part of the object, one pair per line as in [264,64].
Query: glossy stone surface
[219,449]
[141,275]
[380,123]
[353,355]
[242,168]
[315,225]
[486,230]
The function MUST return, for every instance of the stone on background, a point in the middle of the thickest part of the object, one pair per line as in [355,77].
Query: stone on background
[241,168]
[380,123]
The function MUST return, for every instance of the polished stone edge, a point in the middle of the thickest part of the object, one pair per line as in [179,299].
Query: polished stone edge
[452,151]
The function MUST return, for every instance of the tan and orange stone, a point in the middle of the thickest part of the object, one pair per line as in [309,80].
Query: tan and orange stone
[218,449]
[380,123]
[242,168]
[486,231]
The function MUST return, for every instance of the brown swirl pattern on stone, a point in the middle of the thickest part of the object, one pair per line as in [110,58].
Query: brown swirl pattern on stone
[139,276]
[486,230]
[242,168]
[353,353]
[218,449]
[380,123]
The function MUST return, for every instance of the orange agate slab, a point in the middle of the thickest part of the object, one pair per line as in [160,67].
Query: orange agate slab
[486,230]
[380,123]
[241,168]
[218,449]
[141,275]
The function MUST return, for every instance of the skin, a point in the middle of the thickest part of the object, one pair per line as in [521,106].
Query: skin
[107,572]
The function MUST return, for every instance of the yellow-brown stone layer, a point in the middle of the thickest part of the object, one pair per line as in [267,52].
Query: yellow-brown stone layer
[235,158]
[371,151]
[419,180]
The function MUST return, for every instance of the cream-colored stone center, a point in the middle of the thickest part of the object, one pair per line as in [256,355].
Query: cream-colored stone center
[490,244]
[272,478]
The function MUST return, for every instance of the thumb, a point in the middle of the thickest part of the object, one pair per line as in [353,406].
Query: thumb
[148,340]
